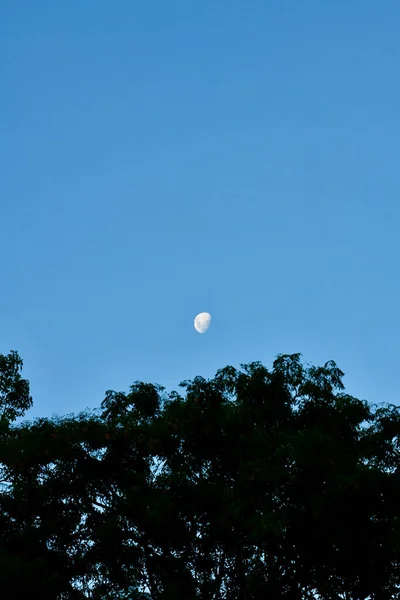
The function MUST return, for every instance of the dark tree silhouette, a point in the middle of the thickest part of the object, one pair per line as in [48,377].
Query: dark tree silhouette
[14,391]
[253,484]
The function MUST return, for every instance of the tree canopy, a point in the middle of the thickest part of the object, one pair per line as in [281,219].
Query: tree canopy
[255,483]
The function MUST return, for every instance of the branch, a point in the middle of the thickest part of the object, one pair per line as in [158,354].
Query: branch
[99,504]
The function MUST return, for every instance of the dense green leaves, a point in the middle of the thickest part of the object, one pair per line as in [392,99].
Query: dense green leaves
[254,484]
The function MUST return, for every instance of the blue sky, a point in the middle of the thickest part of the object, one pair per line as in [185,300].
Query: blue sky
[160,159]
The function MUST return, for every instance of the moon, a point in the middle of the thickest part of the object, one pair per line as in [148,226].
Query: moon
[202,322]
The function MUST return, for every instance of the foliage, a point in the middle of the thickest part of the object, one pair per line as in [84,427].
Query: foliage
[14,391]
[254,483]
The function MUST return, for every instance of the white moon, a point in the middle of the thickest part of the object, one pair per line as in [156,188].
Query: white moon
[202,322]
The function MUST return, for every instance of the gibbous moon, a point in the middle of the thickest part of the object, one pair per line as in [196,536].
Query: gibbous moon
[202,322]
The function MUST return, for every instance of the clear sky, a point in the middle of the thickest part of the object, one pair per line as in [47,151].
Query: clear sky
[160,159]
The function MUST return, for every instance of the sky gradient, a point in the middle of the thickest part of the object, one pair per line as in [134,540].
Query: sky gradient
[160,159]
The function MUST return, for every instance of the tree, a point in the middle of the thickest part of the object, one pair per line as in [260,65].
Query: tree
[254,483]
[14,391]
